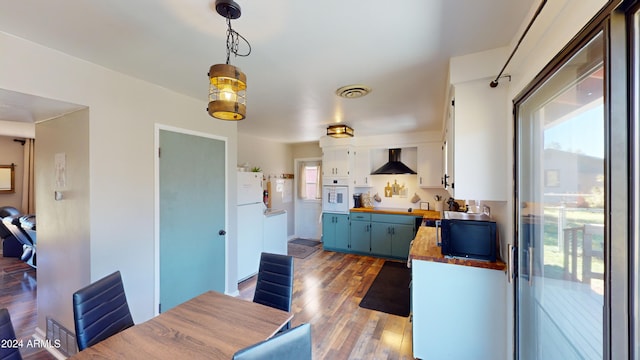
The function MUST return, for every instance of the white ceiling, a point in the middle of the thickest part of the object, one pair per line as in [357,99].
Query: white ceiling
[302,51]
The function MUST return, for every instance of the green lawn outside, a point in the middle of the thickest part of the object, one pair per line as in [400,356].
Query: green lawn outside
[554,266]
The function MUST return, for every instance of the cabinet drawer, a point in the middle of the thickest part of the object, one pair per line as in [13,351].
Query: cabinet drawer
[394,219]
[358,216]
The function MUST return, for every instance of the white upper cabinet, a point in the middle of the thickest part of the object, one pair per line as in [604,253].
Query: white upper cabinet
[362,168]
[448,167]
[480,141]
[336,162]
[429,165]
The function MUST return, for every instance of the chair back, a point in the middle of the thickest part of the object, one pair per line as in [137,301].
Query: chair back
[274,286]
[292,344]
[8,335]
[6,211]
[100,310]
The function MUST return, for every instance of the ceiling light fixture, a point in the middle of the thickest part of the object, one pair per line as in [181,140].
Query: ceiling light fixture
[339,131]
[227,84]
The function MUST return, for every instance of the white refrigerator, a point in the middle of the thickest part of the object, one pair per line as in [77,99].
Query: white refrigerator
[250,223]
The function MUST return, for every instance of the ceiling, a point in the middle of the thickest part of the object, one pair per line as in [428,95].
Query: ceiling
[302,51]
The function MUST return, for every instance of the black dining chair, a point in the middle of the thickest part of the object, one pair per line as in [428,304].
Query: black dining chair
[9,349]
[292,344]
[100,310]
[274,286]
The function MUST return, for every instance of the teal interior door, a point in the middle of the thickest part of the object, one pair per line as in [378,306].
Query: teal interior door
[192,217]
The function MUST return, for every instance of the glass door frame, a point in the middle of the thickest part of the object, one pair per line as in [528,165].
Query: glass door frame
[633,19]
[613,21]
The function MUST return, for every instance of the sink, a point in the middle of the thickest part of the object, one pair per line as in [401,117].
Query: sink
[455,215]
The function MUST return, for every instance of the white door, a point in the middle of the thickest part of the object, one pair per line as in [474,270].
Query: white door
[308,195]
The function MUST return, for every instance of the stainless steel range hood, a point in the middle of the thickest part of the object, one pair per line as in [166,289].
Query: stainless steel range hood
[394,166]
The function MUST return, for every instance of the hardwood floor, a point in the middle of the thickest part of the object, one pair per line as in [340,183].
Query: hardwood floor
[328,287]
[18,284]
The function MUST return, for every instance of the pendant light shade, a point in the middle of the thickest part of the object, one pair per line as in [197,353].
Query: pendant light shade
[227,84]
[340,131]
[227,92]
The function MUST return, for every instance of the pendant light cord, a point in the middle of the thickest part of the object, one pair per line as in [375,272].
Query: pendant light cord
[233,42]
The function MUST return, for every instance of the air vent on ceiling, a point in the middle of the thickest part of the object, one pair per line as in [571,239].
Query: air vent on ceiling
[353,91]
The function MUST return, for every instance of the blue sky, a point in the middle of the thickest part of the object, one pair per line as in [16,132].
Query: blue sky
[583,133]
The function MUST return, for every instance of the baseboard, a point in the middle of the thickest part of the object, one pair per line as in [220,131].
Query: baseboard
[40,336]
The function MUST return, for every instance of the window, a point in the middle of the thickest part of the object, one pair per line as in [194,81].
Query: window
[310,184]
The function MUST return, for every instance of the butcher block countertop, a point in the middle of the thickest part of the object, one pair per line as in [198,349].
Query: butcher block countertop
[424,247]
[427,214]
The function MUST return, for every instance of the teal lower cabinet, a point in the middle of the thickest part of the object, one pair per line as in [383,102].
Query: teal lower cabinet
[360,232]
[392,235]
[401,237]
[360,236]
[383,235]
[335,232]
[380,239]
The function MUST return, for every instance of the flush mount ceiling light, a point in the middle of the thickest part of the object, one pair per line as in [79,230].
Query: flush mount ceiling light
[353,91]
[339,131]
[227,84]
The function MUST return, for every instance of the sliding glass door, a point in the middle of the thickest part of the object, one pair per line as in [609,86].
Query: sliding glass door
[561,191]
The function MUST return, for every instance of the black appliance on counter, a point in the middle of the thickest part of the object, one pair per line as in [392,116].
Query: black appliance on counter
[357,200]
[473,239]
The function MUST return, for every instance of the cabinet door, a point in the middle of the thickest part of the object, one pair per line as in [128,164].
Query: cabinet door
[361,236]
[328,231]
[342,162]
[445,165]
[381,239]
[481,142]
[429,165]
[336,162]
[401,237]
[342,231]
[448,149]
[362,168]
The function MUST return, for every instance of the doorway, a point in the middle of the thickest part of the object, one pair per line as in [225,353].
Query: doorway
[192,207]
[308,203]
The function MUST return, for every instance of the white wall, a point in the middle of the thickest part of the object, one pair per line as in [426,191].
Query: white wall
[272,157]
[17,129]
[306,150]
[122,112]
[64,234]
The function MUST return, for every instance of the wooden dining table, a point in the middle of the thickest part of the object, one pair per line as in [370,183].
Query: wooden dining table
[209,326]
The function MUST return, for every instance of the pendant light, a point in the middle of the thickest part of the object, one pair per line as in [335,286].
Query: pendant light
[227,84]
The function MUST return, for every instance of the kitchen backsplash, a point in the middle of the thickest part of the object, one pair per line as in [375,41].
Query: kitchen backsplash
[403,189]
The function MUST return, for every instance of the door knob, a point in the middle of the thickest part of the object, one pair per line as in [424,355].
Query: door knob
[222,232]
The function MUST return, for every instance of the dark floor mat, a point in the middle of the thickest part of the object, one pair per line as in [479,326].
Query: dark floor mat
[390,291]
[300,251]
[305,242]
